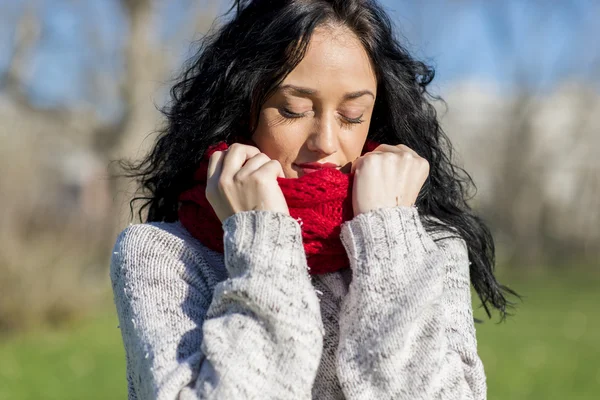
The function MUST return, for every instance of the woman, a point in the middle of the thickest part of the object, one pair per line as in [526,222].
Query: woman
[262,275]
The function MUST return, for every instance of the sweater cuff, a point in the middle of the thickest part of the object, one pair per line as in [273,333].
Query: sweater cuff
[386,234]
[263,240]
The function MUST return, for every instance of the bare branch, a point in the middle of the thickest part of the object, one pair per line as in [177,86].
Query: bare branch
[27,35]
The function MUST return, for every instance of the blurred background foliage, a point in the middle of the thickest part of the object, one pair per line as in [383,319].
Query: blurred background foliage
[80,83]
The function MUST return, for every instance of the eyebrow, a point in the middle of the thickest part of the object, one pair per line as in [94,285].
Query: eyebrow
[302,91]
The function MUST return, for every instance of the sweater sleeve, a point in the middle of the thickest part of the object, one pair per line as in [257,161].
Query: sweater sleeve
[406,324]
[259,335]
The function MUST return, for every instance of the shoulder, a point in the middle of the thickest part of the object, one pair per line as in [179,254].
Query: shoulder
[446,237]
[155,235]
[158,248]
[156,238]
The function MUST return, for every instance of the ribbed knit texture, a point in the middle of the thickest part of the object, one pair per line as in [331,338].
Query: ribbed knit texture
[320,201]
[253,324]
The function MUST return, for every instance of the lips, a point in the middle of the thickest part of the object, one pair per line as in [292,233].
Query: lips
[313,167]
[317,165]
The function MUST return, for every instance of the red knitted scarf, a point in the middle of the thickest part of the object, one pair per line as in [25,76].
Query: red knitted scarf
[320,201]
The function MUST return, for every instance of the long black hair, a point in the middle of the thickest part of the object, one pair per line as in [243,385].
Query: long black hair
[239,65]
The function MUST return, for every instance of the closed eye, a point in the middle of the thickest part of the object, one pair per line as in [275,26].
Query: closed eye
[357,120]
[289,114]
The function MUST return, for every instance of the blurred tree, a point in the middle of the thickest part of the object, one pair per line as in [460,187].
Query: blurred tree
[534,159]
[59,222]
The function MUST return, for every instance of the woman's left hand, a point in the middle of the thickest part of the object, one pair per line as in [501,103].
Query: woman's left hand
[388,176]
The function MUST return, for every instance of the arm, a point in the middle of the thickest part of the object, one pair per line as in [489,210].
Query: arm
[406,324]
[258,336]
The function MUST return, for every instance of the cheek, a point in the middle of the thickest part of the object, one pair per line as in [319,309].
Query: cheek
[279,141]
[356,141]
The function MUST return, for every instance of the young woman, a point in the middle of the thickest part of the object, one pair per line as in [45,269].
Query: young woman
[307,234]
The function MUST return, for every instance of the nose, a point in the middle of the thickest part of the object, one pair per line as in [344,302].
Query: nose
[324,140]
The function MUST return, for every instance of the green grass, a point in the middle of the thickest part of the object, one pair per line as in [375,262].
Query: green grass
[85,361]
[549,350]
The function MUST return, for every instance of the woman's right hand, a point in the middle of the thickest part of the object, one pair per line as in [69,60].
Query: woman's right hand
[242,178]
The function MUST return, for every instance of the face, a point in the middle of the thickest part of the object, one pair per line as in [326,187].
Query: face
[322,110]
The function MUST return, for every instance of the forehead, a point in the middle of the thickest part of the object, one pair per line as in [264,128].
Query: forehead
[335,59]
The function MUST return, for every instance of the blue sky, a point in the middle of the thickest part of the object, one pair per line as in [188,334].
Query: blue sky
[476,40]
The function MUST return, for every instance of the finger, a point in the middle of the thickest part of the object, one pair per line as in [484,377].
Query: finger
[272,168]
[400,148]
[360,159]
[235,158]
[353,166]
[252,165]
[215,165]
[404,147]
[356,163]
[387,148]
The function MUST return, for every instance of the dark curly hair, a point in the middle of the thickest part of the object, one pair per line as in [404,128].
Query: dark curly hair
[239,65]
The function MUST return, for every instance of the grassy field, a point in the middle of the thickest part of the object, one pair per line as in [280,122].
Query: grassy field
[549,350]
[85,361]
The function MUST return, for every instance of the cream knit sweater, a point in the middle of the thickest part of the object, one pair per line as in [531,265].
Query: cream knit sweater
[253,324]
